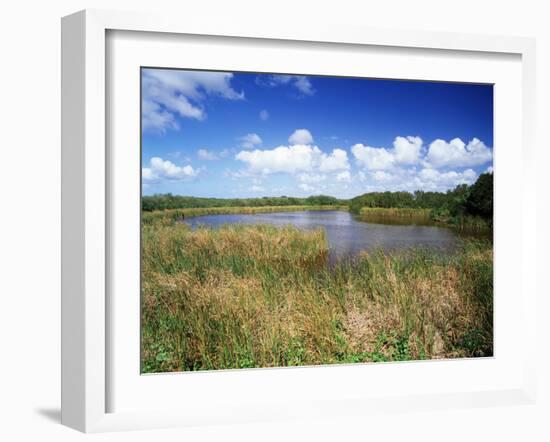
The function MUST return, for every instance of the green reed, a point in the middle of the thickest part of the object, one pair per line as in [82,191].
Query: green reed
[243,296]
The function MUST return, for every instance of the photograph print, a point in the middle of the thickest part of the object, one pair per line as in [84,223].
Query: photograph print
[296,220]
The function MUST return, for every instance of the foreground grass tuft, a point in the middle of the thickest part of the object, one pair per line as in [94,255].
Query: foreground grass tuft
[260,296]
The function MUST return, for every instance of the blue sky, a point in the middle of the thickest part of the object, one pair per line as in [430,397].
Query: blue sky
[221,134]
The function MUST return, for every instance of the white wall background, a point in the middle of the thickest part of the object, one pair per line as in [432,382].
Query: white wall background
[30,215]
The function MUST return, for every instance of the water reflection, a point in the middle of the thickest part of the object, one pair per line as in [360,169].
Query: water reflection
[346,234]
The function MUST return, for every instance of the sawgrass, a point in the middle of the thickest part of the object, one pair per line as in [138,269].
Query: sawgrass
[243,296]
[396,215]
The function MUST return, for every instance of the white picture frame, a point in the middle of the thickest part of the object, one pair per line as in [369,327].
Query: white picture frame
[86,317]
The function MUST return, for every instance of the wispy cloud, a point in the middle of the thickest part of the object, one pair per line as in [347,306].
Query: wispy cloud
[206,155]
[256,188]
[250,141]
[167,94]
[300,83]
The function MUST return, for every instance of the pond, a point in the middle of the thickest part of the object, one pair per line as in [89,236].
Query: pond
[347,235]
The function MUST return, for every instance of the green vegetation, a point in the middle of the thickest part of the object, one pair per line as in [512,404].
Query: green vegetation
[466,207]
[464,223]
[260,296]
[168,216]
[396,216]
[478,200]
[169,201]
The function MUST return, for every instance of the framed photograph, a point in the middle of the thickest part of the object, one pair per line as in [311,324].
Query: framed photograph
[264,223]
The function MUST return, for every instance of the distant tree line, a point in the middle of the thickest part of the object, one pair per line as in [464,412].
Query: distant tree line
[463,200]
[475,200]
[169,201]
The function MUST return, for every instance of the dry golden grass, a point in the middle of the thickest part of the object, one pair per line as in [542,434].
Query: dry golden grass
[402,216]
[261,296]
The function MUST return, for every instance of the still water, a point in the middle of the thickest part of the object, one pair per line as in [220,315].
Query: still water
[347,235]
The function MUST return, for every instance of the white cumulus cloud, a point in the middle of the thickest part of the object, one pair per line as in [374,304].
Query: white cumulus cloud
[300,157]
[407,165]
[380,175]
[409,151]
[373,158]
[433,179]
[406,151]
[337,160]
[301,136]
[290,159]
[160,169]
[344,176]
[456,153]
[411,179]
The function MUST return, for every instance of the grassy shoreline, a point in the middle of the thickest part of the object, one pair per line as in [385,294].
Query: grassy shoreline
[168,216]
[405,216]
[262,296]
[401,216]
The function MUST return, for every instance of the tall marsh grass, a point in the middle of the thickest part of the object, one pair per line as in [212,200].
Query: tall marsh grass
[396,215]
[243,296]
[405,216]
